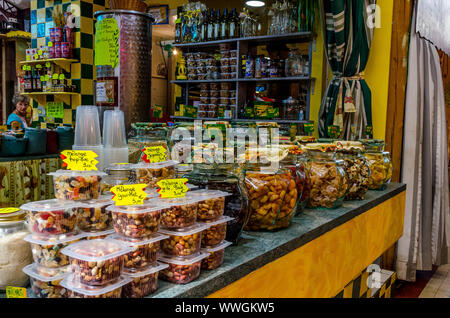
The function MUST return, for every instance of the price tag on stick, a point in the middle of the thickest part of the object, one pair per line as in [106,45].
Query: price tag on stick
[172,188]
[83,160]
[16,292]
[129,194]
[154,154]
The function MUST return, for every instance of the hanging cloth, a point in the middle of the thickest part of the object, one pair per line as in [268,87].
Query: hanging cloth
[348,101]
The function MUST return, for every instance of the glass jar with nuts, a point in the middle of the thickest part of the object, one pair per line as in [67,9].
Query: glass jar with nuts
[328,182]
[380,164]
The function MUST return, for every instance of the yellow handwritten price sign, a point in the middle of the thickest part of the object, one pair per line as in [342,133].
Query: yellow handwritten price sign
[172,188]
[83,160]
[16,292]
[8,210]
[154,154]
[129,194]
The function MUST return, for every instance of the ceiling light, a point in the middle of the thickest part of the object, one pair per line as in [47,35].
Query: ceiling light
[255,3]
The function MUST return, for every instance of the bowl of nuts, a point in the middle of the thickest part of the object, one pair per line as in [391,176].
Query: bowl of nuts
[96,262]
[144,250]
[182,242]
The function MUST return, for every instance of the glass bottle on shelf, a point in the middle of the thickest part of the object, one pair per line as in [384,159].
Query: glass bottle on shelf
[178,25]
[217,26]
[210,29]
[234,24]
[224,26]
[203,26]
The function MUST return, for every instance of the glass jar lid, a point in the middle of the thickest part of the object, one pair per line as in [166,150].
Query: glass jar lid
[12,215]
[320,147]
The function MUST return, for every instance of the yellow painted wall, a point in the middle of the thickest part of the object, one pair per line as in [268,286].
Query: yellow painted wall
[377,70]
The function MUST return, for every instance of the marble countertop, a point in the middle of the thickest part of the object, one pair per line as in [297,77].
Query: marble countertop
[256,249]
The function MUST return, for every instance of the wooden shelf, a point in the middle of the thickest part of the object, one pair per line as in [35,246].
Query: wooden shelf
[64,63]
[50,93]
[281,121]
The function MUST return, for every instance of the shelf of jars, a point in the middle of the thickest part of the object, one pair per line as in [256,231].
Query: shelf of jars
[266,79]
[241,120]
[61,62]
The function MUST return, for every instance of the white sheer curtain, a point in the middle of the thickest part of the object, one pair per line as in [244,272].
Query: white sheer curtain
[426,236]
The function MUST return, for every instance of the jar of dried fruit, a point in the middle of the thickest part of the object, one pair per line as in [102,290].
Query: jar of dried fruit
[225,177]
[379,163]
[356,168]
[146,135]
[328,182]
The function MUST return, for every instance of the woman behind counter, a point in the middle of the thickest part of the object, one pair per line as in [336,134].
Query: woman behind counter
[18,118]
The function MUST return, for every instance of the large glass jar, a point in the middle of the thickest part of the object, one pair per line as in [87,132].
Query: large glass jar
[356,168]
[118,174]
[328,182]
[15,252]
[227,178]
[273,197]
[146,134]
[379,163]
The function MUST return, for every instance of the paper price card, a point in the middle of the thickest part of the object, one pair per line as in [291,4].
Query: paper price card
[334,131]
[172,188]
[154,154]
[16,292]
[8,210]
[107,42]
[83,160]
[129,194]
[309,128]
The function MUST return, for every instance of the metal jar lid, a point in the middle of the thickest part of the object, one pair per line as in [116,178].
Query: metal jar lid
[11,215]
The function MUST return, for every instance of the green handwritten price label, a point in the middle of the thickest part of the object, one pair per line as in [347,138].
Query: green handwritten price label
[36,56]
[47,77]
[62,76]
[47,64]
[83,160]
[40,52]
[107,42]
[42,78]
[172,188]
[334,131]
[8,210]
[309,128]
[29,68]
[154,154]
[129,194]
[55,76]
[39,66]
[50,44]
[28,58]
[16,292]
[24,68]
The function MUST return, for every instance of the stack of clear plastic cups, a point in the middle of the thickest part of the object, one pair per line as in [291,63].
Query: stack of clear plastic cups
[87,132]
[96,266]
[115,147]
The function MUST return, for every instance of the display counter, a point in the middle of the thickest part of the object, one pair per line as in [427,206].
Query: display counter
[317,256]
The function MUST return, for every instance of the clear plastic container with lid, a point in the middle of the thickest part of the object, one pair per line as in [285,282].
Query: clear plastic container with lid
[216,231]
[144,250]
[51,217]
[145,281]
[215,258]
[151,173]
[46,286]
[182,270]
[136,220]
[46,250]
[78,290]
[96,262]
[179,212]
[92,214]
[211,205]
[77,185]
[183,242]
[98,235]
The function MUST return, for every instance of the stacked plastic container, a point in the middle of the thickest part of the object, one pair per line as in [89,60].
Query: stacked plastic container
[115,148]
[87,132]
[182,250]
[137,228]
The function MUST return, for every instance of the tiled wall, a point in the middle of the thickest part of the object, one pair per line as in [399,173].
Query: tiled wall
[82,73]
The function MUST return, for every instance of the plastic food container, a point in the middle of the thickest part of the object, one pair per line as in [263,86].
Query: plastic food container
[191,63]
[210,61]
[182,242]
[51,217]
[214,86]
[225,86]
[47,250]
[203,107]
[182,270]
[201,76]
[92,214]
[214,93]
[204,93]
[77,290]
[232,93]
[98,235]
[225,69]
[214,100]
[144,250]
[224,100]
[180,212]
[212,107]
[201,70]
[232,101]
[204,86]
[211,114]
[215,258]
[225,54]
[152,173]
[202,114]
[96,262]
[144,282]
[216,231]
[224,93]
[192,77]
[77,185]
[224,61]
[233,53]
[212,68]
[46,286]
[203,100]
[136,220]
[228,75]
[211,204]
